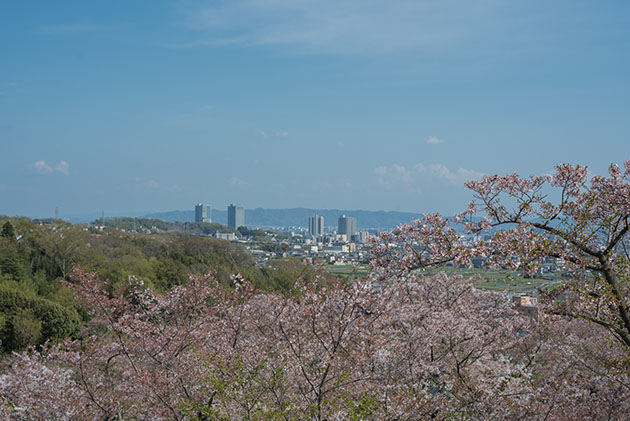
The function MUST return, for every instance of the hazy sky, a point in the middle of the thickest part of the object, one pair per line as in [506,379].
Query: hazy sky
[139,106]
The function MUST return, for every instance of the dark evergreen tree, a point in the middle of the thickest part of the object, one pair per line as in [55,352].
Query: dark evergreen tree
[10,263]
[8,231]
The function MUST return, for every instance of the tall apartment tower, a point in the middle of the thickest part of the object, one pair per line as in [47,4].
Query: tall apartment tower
[201,213]
[316,225]
[347,225]
[236,216]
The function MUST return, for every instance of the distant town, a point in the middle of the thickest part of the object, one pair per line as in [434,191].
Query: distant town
[339,246]
[316,244]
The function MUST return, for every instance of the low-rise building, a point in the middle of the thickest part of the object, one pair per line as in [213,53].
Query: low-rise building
[230,236]
[527,305]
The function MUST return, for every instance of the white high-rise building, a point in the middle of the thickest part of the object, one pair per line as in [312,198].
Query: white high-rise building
[316,225]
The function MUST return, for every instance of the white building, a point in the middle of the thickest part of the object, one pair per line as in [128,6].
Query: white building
[316,225]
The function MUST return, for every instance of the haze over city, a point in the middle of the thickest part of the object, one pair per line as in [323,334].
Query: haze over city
[137,107]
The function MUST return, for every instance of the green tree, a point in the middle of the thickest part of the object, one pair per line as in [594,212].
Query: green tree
[22,329]
[10,262]
[169,273]
[30,320]
[8,231]
[62,247]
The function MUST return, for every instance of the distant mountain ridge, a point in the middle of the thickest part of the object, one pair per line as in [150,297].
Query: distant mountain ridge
[297,217]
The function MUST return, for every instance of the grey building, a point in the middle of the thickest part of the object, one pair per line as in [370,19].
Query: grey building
[316,225]
[360,237]
[201,213]
[347,225]
[236,216]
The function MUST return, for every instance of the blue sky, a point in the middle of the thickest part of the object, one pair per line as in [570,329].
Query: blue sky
[134,106]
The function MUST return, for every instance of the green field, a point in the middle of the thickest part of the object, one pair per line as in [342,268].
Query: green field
[347,271]
[500,280]
[496,280]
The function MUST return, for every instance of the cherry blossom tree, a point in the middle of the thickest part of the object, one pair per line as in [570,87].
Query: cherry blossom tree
[584,230]
[203,352]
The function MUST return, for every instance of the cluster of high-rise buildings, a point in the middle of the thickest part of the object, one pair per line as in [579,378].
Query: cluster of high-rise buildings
[346,225]
[236,215]
[317,244]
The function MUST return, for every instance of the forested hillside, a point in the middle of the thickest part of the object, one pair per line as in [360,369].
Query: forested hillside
[35,260]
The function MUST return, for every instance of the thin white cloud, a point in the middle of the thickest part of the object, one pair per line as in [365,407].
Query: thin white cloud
[344,184]
[237,182]
[42,167]
[459,176]
[266,135]
[154,185]
[382,177]
[432,140]
[401,172]
[396,175]
[151,185]
[12,84]
[340,145]
[466,174]
[63,167]
[350,26]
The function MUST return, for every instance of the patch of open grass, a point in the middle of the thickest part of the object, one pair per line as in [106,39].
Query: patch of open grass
[495,280]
